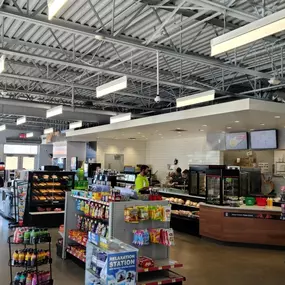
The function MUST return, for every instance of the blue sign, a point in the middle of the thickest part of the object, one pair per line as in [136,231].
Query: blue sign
[121,268]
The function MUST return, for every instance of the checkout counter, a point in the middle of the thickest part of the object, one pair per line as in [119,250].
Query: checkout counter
[211,207]
[224,216]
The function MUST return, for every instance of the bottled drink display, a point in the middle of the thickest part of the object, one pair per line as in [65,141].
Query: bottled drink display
[30,235]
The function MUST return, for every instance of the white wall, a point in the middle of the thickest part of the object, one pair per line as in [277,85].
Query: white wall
[188,150]
[134,151]
[77,149]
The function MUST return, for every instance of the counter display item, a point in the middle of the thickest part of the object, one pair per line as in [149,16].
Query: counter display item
[110,262]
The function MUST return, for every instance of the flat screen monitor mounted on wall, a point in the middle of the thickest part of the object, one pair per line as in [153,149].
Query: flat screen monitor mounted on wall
[266,139]
[236,141]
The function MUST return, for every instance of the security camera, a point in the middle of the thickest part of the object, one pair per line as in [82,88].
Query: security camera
[157,99]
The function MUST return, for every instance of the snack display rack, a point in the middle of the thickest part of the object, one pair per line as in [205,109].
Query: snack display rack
[159,273]
[46,197]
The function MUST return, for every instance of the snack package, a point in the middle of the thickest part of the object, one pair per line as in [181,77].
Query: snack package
[131,215]
[154,235]
[145,262]
[145,237]
[166,213]
[143,213]
[167,237]
[155,213]
[138,237]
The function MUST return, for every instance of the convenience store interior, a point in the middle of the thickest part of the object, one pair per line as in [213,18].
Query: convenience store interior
[185,96]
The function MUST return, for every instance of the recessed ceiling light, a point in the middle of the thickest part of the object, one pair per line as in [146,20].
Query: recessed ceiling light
[200,130]
[178,128]
[179,132]
[236,121]
[138,133]
[262,124]
[204,125]
[223,132]
[160,134]
[277,117]
[229,128]
[251,130]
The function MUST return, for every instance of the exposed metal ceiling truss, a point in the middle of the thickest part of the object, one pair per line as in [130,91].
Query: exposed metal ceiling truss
[91,42]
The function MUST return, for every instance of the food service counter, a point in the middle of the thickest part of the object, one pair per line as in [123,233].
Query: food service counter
[245,224]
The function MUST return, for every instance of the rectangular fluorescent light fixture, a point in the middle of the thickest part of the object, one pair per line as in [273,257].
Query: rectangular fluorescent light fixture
[112,86]
[48,131]
[29,135]
[2,63]
[195,99]
[2,128]
[121,118]
[21,120]
[75,125]
[54,111]
[249,33]
[54,6]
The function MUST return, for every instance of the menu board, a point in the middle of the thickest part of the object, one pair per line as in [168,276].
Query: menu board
[263,139]
[236,141]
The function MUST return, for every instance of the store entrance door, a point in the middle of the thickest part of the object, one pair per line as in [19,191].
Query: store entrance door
[114,162]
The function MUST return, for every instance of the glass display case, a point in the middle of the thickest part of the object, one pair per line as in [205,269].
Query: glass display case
[222,186]
[46,196]
[197,180]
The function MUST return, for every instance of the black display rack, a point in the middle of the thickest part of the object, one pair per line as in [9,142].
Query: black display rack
[26,268]
[46,191]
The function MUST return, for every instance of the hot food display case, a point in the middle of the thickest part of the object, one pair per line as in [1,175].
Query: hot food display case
[45,202]
[222,186]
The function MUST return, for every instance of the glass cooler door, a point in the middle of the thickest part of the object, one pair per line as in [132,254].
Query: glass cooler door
[193,183]
[231,189]
[213,183]
[202,184]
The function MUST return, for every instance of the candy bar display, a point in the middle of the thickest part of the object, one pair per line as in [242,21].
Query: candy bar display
[30,257]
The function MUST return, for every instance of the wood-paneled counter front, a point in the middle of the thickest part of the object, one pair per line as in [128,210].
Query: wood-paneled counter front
[246,224]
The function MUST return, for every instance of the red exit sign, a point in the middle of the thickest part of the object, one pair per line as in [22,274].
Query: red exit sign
[22,136]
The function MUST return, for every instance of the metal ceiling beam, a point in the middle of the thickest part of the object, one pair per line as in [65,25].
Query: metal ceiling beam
[188,13]
[126,41]
[82,99]
[70,53]
[94,69]
[79,86]
[211,5]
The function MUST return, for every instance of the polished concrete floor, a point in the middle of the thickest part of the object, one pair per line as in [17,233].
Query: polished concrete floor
[205,263]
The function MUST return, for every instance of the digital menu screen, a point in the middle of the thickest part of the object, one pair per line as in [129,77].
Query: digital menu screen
[236,141]
[263,139]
